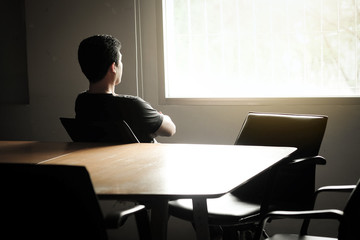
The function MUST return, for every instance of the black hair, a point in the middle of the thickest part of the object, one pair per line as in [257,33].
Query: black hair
[96,54]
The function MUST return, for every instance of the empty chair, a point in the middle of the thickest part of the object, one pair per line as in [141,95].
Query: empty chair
[99,131]
[56,202]
[295,182]
[275,129]
[289,186]
[348,218]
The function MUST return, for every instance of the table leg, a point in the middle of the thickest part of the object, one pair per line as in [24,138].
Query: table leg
[159,219]
[201,218]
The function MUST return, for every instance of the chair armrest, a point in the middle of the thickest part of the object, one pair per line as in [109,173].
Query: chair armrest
[336,188]
[311,214]
[318,160]
[333,188]
[117,219]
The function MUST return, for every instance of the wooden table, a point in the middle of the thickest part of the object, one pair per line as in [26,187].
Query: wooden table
[157,173]
[35,152]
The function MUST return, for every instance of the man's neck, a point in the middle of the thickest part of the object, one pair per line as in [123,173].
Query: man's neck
[101,87]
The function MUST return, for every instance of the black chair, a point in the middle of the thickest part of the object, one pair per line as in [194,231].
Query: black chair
[289,186]
[99,131]
[348,218]
[56,202]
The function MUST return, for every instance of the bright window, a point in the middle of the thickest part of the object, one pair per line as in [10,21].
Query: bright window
[261,48]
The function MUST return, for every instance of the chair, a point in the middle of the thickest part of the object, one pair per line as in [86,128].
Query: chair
[348,218]
[56,202]
[99,131]
[289,186]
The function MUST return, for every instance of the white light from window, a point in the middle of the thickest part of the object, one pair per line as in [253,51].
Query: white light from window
[261,48]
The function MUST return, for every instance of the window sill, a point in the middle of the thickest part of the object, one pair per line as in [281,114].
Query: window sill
[262,101]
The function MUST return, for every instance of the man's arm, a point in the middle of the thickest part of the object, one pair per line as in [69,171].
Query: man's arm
[167,127]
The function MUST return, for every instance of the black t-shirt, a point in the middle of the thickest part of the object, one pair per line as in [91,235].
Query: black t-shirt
[139,115]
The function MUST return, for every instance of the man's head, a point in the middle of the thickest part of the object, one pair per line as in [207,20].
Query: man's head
[96,54]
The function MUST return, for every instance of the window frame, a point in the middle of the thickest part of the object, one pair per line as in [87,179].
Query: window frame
[163,100]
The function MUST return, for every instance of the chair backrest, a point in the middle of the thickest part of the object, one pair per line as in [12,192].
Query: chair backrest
[99,131]
[350,222]
[49,202]
[304,132]
[292,187]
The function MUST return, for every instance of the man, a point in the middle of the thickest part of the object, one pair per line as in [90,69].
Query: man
[100,60]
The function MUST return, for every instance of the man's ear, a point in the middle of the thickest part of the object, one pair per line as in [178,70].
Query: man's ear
[113,67]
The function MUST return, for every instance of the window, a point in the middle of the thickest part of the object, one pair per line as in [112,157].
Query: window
[261,48]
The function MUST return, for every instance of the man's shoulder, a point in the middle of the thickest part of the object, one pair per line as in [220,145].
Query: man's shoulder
[125,96]
[117,99]
[130,98]
[134,101]
[109,96]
